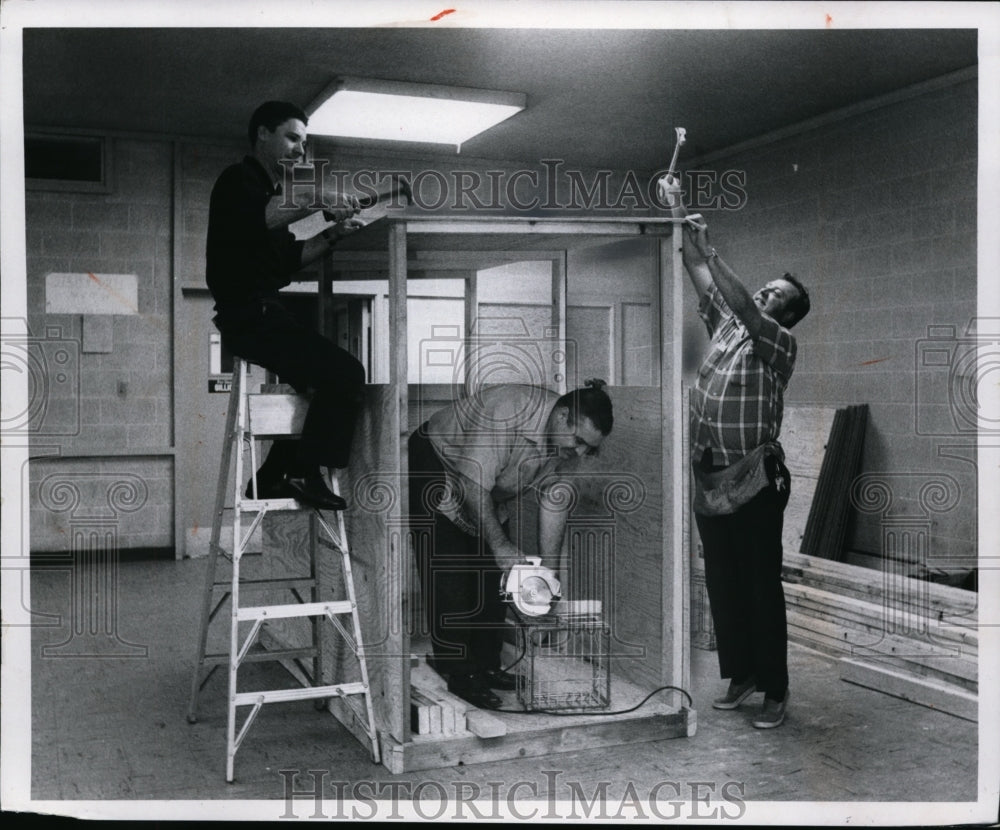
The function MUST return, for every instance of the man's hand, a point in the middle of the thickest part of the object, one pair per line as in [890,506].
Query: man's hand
[343,207]
[698,234]
[346,227]
[507,555]
[668,189]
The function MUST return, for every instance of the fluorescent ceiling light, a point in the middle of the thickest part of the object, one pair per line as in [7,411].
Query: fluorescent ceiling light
[398,111]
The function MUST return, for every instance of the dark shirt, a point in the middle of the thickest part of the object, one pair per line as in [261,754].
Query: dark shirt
[245,261]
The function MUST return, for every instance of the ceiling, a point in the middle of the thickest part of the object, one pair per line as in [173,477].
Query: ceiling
[606,97]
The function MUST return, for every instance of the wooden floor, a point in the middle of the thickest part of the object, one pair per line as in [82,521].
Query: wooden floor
[108,732]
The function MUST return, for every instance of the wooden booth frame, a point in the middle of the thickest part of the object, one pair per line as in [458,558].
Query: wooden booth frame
[657,571]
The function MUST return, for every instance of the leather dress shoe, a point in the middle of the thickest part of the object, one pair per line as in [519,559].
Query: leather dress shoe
[312,491]
[499,679]
[473,689]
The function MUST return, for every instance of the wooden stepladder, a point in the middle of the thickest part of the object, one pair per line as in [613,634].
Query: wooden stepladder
[253,416]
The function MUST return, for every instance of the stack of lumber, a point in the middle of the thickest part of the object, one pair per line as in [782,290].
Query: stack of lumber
[435,711]
[909,638]
[831,511]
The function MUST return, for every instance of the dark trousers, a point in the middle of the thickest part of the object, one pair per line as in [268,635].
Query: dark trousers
[458,574]
[743,577]
[267,334]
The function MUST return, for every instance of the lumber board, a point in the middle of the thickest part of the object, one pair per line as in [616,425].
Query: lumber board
[274,414]
[476,721]
[944,602]
[547,740]
[938,696]
[846,610]
[905,654]
[420,713]
[420,719]
[831,513]
[483,724]
[438,713]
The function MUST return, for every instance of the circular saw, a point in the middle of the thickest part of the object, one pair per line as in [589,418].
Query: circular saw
[531,587]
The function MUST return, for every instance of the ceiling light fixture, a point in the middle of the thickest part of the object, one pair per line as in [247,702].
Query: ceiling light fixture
[369,108]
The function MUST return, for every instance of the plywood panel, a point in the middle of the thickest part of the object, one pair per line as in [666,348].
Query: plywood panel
[615,532]
[638,344]
[590,348]
[512,343]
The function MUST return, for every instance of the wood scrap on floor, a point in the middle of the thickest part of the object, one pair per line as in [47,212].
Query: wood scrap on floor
[438,712]
[905,637]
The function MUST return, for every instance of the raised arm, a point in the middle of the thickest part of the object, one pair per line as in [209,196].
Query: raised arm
[669,189]
[736,295]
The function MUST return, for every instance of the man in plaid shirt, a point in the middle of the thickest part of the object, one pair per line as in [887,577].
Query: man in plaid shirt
[736,409]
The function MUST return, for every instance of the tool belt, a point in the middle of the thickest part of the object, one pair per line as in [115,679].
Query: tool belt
[725,491]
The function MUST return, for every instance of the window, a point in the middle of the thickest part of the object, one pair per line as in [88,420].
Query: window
[75,163]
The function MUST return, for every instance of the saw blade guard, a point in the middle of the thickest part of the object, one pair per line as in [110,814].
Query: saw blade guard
[531,587]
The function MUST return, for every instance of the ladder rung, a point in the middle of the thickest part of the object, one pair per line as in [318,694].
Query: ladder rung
[304,693]
[222,658]
[260,584]
[271,505]
[302,609]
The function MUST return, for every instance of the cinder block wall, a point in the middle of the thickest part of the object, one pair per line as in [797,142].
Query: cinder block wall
[102,457]
[877,215]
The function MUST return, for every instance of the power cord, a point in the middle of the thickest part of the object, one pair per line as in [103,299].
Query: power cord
[521,621]
[597,714]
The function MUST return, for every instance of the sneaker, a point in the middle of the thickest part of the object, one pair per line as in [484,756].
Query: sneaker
[735,694]
[772,713]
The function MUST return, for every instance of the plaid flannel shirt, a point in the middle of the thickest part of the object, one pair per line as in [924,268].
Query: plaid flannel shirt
[738,400]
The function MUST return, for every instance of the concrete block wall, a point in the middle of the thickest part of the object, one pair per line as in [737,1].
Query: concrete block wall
[877,214]
[109,414]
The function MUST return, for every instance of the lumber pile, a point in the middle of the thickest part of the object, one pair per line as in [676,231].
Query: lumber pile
[906,637]
[831,511]
[435,711]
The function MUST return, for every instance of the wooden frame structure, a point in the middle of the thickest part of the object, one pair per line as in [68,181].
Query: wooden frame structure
[650,596]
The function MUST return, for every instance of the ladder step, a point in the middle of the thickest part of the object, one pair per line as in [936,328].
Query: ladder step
[222,658]
[260,584]
[301,609]
[304,693]
[271,505]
